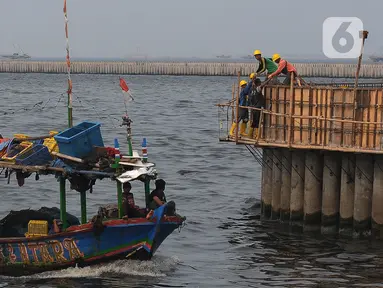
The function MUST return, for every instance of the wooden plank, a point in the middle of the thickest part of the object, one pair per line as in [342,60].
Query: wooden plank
[273,117]
[286,99]
[316,101]
[267,118]
[321,114]
[280,129]
[348,115]
[378,137]
[331,124]
[371,118]
[358,117]
[337,104]
[366,108]
[305,111]
[310,122]
[374,131]
[296,138]
[343,112]
[325,132]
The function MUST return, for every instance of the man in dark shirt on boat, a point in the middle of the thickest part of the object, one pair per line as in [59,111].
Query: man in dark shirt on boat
[157,198]
[130,208]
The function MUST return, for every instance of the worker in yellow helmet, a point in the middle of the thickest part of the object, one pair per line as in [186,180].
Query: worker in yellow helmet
[265,64]
[243,113]
[284,67]
[247,91]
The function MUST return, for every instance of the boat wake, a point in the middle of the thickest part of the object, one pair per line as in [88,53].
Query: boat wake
[157,267]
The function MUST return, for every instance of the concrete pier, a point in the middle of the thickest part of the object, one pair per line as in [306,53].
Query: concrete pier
[276,184]
[185,68]
[325,147]
[377,198]
[285,185]
[313,190]
[331,192]
[297,186]
[267,173]
[363,193]
[347,188]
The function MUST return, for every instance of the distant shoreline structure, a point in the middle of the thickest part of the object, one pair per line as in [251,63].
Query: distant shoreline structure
[240,59]
[184,68]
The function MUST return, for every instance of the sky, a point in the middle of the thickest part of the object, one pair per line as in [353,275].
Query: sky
[179,28]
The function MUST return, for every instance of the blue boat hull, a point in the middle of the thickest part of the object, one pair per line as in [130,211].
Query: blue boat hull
[84,245]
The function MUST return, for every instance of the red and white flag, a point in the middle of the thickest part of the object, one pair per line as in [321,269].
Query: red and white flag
[125,89]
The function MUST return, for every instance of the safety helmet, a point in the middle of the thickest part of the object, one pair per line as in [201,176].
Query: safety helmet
[243,83]
[252,75]
[257,52]
[276,57]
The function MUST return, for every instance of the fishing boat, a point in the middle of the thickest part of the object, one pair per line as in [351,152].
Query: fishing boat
[376,58]
[33,241]
[223,56]
[248,57]
[17,55]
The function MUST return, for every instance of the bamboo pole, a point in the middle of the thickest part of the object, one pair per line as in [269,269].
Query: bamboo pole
[264,143]
[291,108]
[232,99]
[71,158]
[237,109]
[63,202]
[364,37]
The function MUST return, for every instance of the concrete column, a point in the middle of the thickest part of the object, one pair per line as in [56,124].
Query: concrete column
[377,198]
[286,185]
[364,171]
[276,184]
[313,190]
[331,192]
[267,172]
[297,185]
[347,188]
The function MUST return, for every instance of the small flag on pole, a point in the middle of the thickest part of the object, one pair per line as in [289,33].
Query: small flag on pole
[125,88]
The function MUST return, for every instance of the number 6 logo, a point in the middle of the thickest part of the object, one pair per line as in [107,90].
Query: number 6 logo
[341,37]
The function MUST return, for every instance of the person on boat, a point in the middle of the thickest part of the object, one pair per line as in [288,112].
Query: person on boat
[56,227]
[157,198]
[243,112]
[256,100]
[129,207]
[266,65]
[285,68]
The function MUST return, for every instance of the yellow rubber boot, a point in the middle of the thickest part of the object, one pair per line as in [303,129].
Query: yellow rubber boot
[242,129]
[232,129]
[249,130]
[250,134]
[255,134]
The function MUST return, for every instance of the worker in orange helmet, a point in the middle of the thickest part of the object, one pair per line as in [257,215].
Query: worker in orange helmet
[284,67]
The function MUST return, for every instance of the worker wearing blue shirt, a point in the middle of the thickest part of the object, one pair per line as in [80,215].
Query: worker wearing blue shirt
[243,112]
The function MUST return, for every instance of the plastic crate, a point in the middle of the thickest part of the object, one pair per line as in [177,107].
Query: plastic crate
[20,136]
[37,228]
[37,155]
[14,150]
[51,144]
[4,142]
[79,140]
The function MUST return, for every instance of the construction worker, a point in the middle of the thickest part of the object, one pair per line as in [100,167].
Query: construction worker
[256,100]
[265,64]
[243,112]
[284,67]
[247,91]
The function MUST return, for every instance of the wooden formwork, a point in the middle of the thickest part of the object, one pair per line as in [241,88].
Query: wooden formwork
[327,117]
